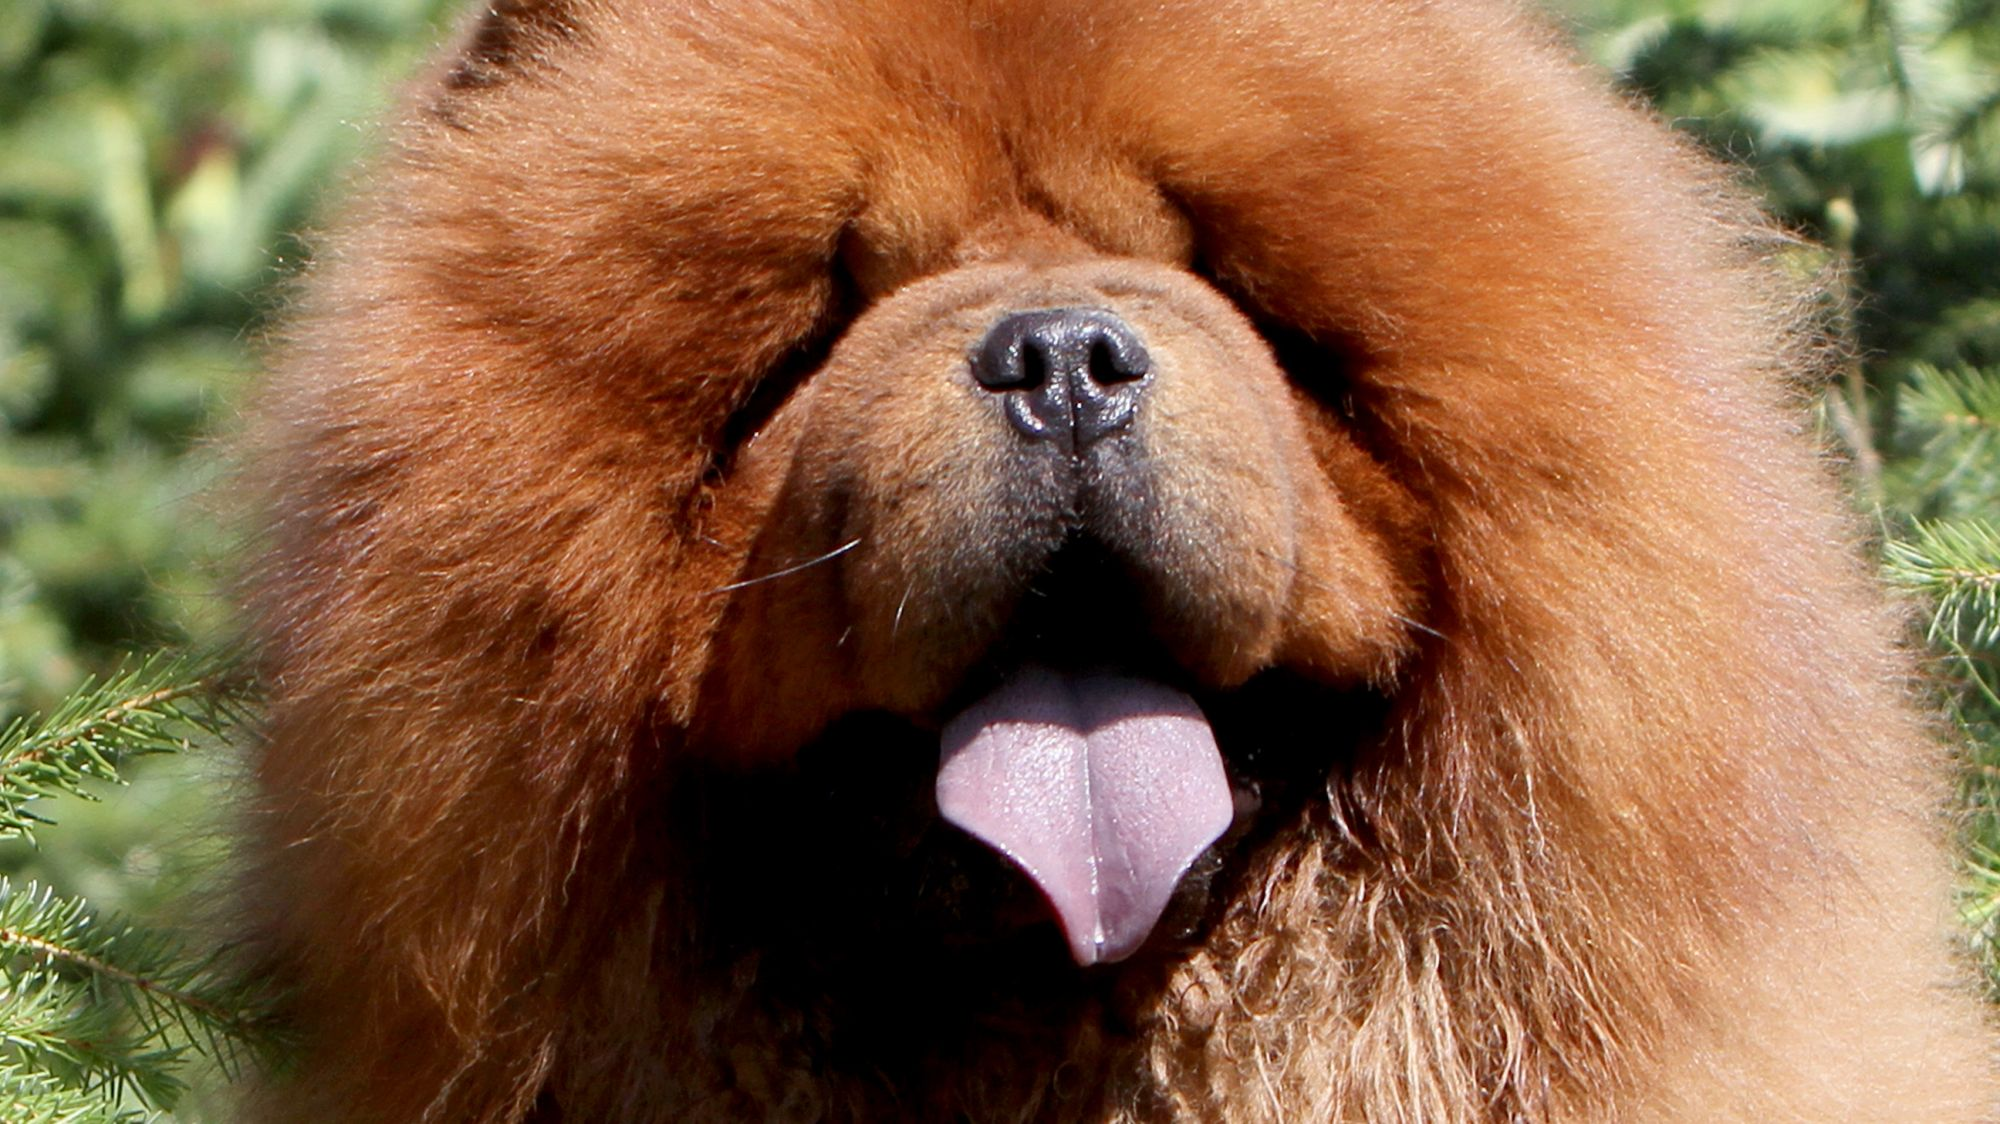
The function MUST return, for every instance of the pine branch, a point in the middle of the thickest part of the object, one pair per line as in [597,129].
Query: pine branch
[93,1006]
[1954,413]
[98,1015]
[1956,564]
[171,993]
[156,706]
[1980,902]
[49,1026]
[1962,399]
[28,1097]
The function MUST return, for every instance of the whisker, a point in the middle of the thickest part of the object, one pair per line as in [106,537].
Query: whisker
[902,603]
[1416,624]
[787,571]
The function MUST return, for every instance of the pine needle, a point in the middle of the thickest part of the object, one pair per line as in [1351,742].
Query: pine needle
[100,1018]
[1956,565]
[157,706]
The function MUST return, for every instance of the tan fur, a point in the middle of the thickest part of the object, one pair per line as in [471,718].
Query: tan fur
[1651,831]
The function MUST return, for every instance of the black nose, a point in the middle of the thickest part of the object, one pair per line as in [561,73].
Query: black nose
[1070,375]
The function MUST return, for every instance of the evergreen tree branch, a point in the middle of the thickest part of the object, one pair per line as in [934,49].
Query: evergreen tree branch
[156,706]
[98,1015]
[31,1097]
[154,975]
[1956,564]
[49,1027]
[1962,399]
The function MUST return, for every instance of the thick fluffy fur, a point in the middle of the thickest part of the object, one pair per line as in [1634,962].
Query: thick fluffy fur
[631,521]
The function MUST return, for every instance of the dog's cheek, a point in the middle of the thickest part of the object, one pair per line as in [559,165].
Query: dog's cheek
[1261,548]
[1208,500]
[949,522]
[1362,556]
[1355,591]
[766,686]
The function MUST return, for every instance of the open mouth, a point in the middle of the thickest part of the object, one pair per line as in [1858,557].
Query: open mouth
[1103,788]
[1087,758]
[1078,777]
[1081,756]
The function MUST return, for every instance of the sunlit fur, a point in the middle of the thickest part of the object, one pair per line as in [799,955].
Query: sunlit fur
[1653,831]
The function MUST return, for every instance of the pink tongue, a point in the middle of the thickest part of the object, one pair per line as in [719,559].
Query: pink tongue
[1103,789]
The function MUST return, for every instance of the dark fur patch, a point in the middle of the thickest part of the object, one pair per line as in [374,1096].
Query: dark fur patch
[505,37]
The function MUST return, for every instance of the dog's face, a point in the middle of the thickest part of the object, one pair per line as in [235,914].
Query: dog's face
[1062,506]
[1120,549]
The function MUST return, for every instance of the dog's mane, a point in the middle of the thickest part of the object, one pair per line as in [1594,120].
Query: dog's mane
[1652,736]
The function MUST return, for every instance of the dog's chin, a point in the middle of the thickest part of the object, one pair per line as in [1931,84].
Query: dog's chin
[840,870]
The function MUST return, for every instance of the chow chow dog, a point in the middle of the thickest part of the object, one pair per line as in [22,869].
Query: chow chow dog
[1075,560]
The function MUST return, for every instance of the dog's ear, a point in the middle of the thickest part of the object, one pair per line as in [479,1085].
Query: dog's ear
[507,36]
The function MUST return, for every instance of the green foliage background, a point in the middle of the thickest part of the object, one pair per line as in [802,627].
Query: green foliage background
[155,156]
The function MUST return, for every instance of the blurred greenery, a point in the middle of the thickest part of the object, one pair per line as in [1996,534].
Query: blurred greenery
[153,156]
[156,154]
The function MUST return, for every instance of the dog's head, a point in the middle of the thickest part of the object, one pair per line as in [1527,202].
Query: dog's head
[1093,452]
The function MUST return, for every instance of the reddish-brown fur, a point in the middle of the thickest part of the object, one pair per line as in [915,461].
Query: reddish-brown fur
[1650,830]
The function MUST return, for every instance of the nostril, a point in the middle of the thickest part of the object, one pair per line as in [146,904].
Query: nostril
[1013,357]
[1117,357]
[1034,365]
